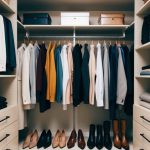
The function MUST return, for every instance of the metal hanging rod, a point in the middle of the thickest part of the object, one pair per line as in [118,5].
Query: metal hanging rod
[79,37]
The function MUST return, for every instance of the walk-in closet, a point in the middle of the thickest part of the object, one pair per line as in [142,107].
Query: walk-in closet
[74,74]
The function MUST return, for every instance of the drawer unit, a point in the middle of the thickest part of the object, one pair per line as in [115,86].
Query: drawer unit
[141,134]
[13,145]
[8,134]
[142,116]
[8,116]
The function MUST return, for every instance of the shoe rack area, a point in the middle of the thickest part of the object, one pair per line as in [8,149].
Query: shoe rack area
[141,117]
[8,89]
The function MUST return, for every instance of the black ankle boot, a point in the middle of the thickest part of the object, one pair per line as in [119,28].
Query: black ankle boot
[91,140]
[107,138]
[99,138]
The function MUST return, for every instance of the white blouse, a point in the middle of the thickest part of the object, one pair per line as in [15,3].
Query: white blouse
[99,85]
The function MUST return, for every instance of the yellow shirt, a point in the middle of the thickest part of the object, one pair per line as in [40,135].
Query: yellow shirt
[47,69]
[52,74]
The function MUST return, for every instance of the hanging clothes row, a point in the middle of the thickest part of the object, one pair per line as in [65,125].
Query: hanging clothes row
[97,74]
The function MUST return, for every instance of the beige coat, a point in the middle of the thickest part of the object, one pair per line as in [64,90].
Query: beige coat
[70,65]
[92,75]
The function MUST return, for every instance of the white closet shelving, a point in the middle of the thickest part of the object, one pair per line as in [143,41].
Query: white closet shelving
[8,89]
[56,118]
[141,116]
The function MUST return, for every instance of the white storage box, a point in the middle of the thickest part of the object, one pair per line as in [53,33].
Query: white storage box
[75,18]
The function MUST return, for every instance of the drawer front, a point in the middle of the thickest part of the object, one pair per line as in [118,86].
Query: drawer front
[142,116]
[137,145]
[141,134]
[8,134]
[13,145]
[8,116]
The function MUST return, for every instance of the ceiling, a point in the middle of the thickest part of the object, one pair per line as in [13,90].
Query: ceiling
[75,5]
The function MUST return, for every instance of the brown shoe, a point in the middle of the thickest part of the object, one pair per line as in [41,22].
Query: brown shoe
[72,139]
[62,140]
[26,143]
[55,141]
[34,139]
[81,141]
[124,141]
[117,141]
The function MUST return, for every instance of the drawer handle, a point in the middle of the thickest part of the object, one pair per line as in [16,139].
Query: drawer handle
[7,135]
[7,117]
[145,119]
[142,135]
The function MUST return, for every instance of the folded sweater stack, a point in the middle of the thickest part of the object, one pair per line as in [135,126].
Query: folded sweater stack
[3,102]
[145,97]
[145,70]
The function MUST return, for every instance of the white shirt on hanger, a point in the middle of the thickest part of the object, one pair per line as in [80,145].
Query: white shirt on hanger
[25,75]
[99,85]
[2,46]
[65,67]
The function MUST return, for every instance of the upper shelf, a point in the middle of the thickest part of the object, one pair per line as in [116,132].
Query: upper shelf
[145,9]
[5,8]
[80,30]
[144,47]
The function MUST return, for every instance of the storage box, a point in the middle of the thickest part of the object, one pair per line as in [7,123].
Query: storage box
[37,18]
[75,18]
[111,19]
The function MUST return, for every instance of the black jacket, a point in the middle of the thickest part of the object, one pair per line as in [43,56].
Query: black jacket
[85,75]
[77,76]
[41,83]
[113,58]
[10,46]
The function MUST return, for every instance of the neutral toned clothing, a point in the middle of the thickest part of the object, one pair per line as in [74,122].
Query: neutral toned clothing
[145,97]
[59,74]
[2,46]
[32,71]
[20,53]
[106,68]
[121,80]
[65,67]
[99,84]
[92,75]
[22,112]
[47,69]
[26,75]
[70,67]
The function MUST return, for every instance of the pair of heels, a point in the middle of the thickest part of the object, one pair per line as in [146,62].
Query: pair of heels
[59,139]
[45,139]
[31,140]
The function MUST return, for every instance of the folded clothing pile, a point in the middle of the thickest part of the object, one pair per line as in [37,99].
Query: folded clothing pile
[3,102]
[145,70]
[145,97]
[145,100]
